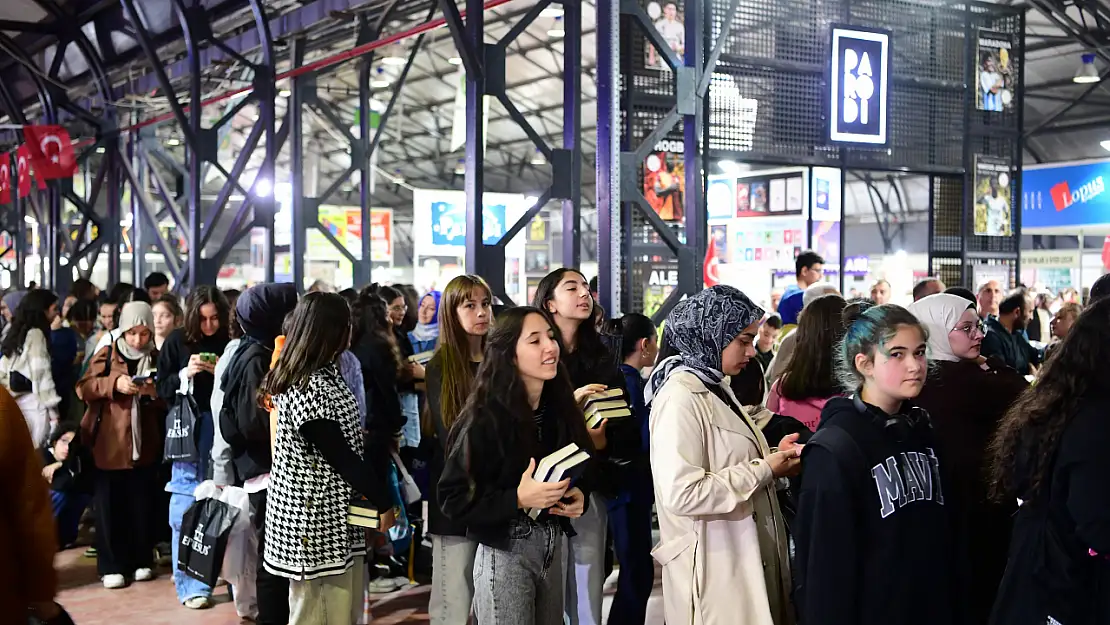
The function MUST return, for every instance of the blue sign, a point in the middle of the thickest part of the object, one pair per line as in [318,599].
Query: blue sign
[856,265]
[858,76]
[449,223]
[1065,196]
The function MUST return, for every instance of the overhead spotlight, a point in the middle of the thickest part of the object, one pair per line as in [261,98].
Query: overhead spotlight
[460,167]
[556,31]
[398,177]
[173,141]
[263,187]
[455,60]
[552,11]
[538,158]
[394,60]
[379,83]
[100,150]
[1087,72]
[285,93]
[254,116]
[30,220]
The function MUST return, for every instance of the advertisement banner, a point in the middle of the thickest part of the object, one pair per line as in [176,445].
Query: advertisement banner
[993,217]
[721,197]
[665,184]
[1050,259]
[859,73]
[668,21]
[994,84]
[826,194]
[439,220]
[345,224]
[381,234]
[1065,196]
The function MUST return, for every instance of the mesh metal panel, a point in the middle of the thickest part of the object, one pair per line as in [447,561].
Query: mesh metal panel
[948,270]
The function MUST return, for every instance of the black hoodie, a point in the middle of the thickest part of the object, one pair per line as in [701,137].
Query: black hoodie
[245,426]
[872,531]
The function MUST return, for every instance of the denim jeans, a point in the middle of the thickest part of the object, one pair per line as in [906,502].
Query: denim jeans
[452,579]
[585,577]
[523,584]
[187,587]
[631,526]
[68,508]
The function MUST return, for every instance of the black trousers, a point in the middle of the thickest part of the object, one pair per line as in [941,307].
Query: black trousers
[125,534]
[630,527]
[273,590]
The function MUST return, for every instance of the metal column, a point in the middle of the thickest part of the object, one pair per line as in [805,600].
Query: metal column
[475,135]
[608,155]
[572,132]
[301,86]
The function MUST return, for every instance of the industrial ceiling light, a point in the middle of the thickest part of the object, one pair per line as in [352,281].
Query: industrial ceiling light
[394,60]
[379,83]
[455,60]
[460,167]
[1105,145]
[1087,72]
[263,187]
[552,11]
[538,158]
[398,177]
[285,93]
[556,31]
[100,150]
[173,142]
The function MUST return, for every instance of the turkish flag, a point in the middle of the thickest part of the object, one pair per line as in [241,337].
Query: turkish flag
[709,267]
[23,170]
[52,154]
[5,178]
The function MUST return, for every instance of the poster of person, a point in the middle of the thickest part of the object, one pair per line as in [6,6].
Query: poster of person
[668,21]
[665,184]
[794,194]
[993,214]
[994,87]
[743,202]
[759,197]
[778,195]
[718,236]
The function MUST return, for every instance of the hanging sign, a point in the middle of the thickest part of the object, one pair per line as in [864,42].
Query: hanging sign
[859,74]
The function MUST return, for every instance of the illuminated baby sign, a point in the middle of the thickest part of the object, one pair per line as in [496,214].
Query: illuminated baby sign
[858,79]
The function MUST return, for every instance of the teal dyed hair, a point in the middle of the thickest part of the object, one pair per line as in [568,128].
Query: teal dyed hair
[869,331]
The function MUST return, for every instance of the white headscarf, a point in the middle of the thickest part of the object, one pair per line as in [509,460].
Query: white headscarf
[133,315]
[940,313]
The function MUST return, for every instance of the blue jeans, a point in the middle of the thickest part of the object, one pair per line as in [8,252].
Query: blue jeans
[68,508]
[186,586]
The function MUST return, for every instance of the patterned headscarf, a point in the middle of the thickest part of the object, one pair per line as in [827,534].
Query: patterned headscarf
[699,329]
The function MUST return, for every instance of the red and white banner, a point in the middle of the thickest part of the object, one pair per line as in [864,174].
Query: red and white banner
[23,170]
[5,178]
[52,154]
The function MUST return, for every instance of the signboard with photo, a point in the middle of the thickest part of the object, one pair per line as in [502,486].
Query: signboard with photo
[994,84]
[993,214]
[718,237]
[859,73]
[665,184]
[667,17]
[743,199]
[759,197]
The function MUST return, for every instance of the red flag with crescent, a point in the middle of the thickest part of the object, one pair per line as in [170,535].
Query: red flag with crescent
[5,178]
[23,170]
[710,265]
[52,154]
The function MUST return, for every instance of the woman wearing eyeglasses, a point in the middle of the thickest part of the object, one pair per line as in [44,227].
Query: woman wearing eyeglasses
[966,399]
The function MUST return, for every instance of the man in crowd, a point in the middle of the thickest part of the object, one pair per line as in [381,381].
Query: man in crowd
[990,294]
[880,292]
[926,287]
[1004,334]
[768,334]
[156,284]
[809,268]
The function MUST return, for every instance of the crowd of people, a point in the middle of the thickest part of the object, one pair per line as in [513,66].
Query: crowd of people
[830,461]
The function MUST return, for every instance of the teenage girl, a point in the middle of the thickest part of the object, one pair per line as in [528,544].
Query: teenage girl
[872,530]
[464,321]
[521,409]
[564,294]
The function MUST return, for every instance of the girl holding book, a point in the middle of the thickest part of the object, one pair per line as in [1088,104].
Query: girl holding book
[464,322]
[564,295]
[318,467]
[521,409]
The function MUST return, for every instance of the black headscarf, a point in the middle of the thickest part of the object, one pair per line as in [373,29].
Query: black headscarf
[261,310]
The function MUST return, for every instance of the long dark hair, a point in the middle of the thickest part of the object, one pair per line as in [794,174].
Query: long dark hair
[372,325]
[319,332]
[589,348]
[201,295]
[811,371]
[632,328]
[234,330]
[1028,436]
[453,349]
[30,314]
[499,393]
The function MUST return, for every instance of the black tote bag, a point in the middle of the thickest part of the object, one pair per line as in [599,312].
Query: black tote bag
[181,431]
[205,528]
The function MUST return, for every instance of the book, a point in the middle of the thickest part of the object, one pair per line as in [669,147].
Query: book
[568,462]
[422,358]
[362,514]
[594,420]
[600,406]
[611,393]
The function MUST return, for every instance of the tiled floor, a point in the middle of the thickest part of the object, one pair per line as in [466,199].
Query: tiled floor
[154,603]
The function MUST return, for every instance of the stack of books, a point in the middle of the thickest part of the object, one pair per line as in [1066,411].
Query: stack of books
[422,358]
[363,514]
[608,404]
[568,462]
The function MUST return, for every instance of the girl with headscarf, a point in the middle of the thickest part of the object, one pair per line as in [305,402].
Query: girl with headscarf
[966,401]
[123,428]
[723,543]
[424,336]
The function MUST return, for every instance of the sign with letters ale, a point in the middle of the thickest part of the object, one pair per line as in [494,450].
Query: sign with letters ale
[859,77]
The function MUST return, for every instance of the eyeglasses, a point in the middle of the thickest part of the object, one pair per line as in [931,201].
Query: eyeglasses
[970,329]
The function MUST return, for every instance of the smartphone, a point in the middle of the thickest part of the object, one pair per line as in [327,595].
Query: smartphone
[209,357]
[143,379]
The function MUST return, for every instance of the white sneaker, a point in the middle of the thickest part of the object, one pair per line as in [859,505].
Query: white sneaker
[197,603]
[383,585]
[114,581]
[144,575]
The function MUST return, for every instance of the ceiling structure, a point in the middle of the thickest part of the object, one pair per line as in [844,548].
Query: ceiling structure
[1063,120]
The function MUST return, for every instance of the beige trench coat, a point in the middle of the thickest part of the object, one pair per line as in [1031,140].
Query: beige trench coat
[722,538]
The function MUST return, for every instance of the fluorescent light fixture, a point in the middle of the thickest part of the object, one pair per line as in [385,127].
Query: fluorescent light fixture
[394,60]
[552,11]
[460,167]
[285,93]
[455,60]
[100,150]
[398,177]
[858,83]
[1105,145]
[263,187]
[172,141]
[728,166]
[539,158]
[63,261]
[254,116]
[1087,72]
[31,220]
[557,32]
[379,83]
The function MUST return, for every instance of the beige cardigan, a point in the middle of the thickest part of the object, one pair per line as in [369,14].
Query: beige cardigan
[723,542]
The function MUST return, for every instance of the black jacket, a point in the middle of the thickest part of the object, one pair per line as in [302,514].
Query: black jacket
[1051,570]
[872,530]
[1011,347]
[243,423]
[438,522]
[484,463]
[624,443]
[174,356]
[384,418]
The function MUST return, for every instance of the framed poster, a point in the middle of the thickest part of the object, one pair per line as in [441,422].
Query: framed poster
[859,76]
[994,79]
[668,19]
[993,205]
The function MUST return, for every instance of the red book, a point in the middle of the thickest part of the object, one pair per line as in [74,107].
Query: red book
[52,154]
